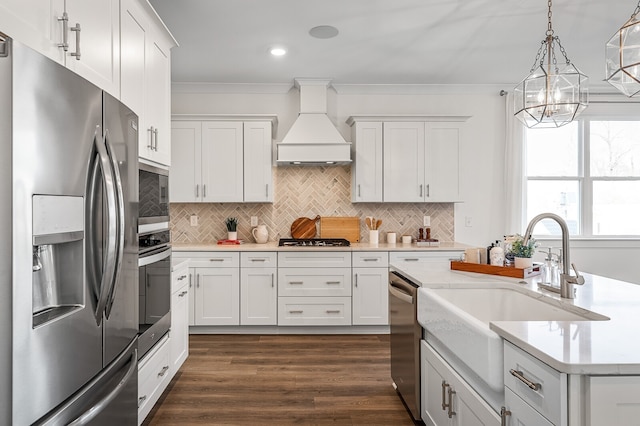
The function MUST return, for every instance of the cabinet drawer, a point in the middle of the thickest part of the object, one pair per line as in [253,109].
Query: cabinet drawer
[521,412]
[314,259]
[550,399]
[179,277]
[314,281]
[314,311]
[439,259]
[258,259]
[224,259]
[153,377]
[370,259]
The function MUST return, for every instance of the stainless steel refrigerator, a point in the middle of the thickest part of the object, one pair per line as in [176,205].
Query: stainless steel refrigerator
[68,247]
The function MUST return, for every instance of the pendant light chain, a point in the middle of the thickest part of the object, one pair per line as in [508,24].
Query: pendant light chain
[635,12]
[549,28]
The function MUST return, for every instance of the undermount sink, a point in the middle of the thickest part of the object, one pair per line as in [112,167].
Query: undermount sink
[458,320]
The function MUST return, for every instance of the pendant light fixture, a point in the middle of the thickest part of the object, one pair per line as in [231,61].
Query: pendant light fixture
[553,94]
[623,57]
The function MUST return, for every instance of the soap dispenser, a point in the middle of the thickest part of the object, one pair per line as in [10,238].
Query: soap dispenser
[548,266]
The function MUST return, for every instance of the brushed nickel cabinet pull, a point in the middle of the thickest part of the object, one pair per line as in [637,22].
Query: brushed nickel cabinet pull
[421,190]
[371,259]
[450,411]
[217,259]
[295,312]
[272,279]
[183,293]
[359,193]
[190,280]
[259,259]
[427,190]
[76,30]
[197,190]
[266,192]
[163,371]
[141,400]
[445,385]
[333,282]
[198,280]
[182,277]
[204,191]
[504,413]
[520,376]
[151,134]
[155,146]
[333,311]
[413,259]
[296,282]
[65,29]
[356,280]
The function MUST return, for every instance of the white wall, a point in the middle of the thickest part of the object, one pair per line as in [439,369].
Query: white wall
[482,156]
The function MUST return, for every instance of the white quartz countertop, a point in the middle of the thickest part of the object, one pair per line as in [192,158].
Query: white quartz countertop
[575,347]
[178,263]
[273,246]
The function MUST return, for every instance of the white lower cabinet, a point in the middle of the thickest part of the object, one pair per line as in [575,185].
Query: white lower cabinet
[522,414]
[179,317]
[370,294]
[612,400]
[258,288]
[154,374]
[447,399]
[314,288]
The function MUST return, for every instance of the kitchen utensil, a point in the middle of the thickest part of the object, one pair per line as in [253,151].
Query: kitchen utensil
[340,227]
[378,224]
[303,227]
[367,220]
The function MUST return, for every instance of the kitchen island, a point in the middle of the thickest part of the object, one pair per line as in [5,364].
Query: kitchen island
[595,363]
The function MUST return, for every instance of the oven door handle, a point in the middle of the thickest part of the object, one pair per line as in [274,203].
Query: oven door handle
[397,291]
[148,260]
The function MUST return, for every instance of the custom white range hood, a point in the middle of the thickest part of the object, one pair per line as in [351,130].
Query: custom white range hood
[313,139]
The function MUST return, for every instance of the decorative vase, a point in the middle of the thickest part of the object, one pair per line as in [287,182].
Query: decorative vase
[232,235]
[260,234]
[523,262]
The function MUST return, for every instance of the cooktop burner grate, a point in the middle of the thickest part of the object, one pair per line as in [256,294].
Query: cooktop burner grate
[313,242]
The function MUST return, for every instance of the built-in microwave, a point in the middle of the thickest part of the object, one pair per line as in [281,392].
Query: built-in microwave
[153,198]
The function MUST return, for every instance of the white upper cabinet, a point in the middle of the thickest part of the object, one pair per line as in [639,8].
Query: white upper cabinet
[406,158]
[146,77]
[85,37]
[403,169]
[366,139]
[220,161]
[258,175]
[222,165]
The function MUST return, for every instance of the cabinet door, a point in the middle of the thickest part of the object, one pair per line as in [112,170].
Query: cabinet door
[434,393]
[258,182]
[34,23]
[217,299]
[403,153]
[258,296]
[522,414]
[442,162]
[370,296]
[185,185]
[179,327]
[157,146]
[98,41]
[133,38]
[613,400]
[222,164]
[367,163]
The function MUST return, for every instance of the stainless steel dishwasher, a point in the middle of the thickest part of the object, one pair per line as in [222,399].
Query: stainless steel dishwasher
[405,340]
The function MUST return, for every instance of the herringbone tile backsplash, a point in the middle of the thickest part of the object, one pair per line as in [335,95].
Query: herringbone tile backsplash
[307,192]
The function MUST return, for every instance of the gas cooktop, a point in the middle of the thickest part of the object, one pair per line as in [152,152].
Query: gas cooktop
[313,242]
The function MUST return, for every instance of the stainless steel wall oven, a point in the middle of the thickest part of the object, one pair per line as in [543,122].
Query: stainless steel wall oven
[154,257]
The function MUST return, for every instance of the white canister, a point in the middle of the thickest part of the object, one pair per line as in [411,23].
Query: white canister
[260,234]
[497,256]
[406,239]
[373,236]
[472,255]
[391,237]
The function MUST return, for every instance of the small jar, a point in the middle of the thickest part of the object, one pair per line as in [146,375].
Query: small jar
[497,256]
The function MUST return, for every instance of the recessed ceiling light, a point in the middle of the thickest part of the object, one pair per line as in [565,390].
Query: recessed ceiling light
[278,51]
[323,31]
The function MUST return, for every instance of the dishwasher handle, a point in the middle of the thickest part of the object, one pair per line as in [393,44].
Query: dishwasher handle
[402,290]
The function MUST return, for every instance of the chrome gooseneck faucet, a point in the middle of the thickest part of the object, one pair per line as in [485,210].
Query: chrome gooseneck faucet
[567,281]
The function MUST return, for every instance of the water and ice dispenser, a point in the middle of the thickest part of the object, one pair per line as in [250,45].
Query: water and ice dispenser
[58,275]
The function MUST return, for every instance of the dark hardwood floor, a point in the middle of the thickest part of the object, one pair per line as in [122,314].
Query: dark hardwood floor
[283,379]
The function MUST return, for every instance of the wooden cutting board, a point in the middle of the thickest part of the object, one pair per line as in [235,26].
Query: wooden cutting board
[303,227]
[346,227]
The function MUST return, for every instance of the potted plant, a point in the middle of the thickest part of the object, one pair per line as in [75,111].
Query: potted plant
[232,228]
[523,252]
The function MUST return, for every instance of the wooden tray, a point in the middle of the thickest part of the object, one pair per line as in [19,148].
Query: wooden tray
[504,271]
[347,227]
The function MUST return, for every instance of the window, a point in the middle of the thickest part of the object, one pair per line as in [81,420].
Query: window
[587,172]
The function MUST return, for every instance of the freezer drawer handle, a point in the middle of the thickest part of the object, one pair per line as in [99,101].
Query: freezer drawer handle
[97,408]
[520,376]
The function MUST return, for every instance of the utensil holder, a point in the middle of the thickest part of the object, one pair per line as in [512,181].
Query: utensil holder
[374,236]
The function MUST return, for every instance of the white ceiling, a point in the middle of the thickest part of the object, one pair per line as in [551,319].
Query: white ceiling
[490,42]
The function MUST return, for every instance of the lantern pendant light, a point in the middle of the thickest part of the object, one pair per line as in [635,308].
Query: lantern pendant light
[553,94]
[623,57]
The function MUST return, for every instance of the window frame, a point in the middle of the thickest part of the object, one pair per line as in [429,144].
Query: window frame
[583,178]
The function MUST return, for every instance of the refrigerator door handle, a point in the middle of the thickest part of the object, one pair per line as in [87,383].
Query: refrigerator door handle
[110,259]
[120,221]
[90,414]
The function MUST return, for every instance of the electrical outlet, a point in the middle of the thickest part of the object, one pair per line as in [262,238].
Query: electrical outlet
[254,220]
[426,221]
[193,220]
[468,222]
